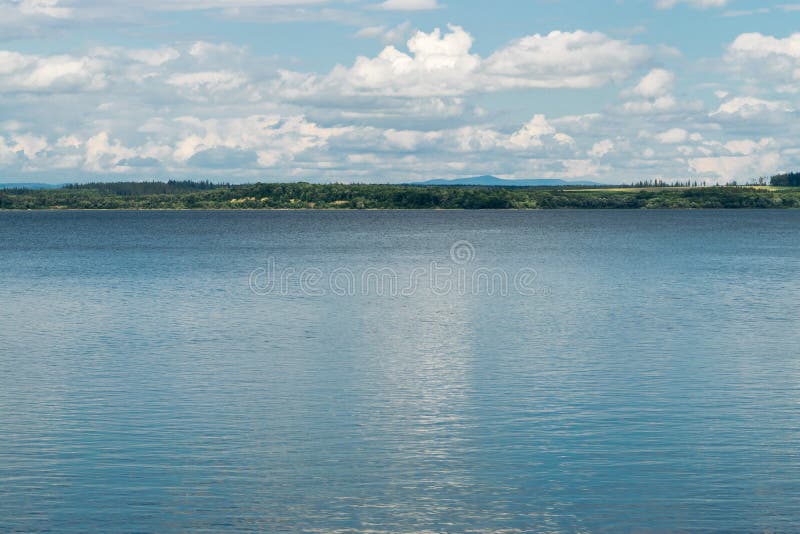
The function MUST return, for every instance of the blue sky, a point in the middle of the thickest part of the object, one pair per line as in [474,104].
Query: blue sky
[398,90]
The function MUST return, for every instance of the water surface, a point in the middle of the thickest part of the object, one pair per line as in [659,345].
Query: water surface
[649,381]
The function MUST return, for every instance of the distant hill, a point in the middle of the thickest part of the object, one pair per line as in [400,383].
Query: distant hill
[29,186]
[500,182]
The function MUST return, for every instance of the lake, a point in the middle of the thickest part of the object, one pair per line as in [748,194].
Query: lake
[421,371]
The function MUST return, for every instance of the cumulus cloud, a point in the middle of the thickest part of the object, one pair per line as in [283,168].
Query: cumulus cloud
[673,136]
[528,140]
[657,83]
[767,58]
[653,93]
[736,167]
[24,72]
[564,59]
[27,144]
[271,138]
[747,147]
[198,71]
[436,65]
[103,154]
[409,111]
[601,148]
[441,64]
[534,133]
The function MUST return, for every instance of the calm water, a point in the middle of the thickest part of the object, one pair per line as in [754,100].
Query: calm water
[647,379]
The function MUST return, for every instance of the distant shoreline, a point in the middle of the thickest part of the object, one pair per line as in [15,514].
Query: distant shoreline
[357,210]
[183,196]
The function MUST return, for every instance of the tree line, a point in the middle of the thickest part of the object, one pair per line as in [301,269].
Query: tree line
[207,195]
[791,179]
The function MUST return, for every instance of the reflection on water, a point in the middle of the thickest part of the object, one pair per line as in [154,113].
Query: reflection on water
[653,386]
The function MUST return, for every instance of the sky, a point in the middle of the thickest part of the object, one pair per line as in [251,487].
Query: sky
[392,91]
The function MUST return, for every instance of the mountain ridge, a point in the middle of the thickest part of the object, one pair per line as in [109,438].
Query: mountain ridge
[493,181]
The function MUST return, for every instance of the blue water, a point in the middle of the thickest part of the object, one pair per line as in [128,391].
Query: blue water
[646,379]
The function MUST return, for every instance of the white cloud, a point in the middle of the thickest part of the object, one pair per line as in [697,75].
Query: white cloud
[393,35]
[204,52]
[737,167]
[221,110]
[272,138]
[154,57]
[21,73]
[653,94]
[398,34]
[660,104]
[437,65]
[564,59]
[29,144]
[11,62]
[441,64]
[563,139]
[673,136]
[748,107]
[26,18]
[765,58]
[699,4]
[409,5]
[103,154]
[200,85]
[601,148]
[48,8]
[68,141]
[747,147]
[410,140]
[371,32]
[531,134]
[759,46]
[738,159]
[657,83]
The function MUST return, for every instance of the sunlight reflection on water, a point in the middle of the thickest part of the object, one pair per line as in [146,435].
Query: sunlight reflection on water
[145,387]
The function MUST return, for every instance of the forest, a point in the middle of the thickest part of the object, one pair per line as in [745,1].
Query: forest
[791,179]
[207,195]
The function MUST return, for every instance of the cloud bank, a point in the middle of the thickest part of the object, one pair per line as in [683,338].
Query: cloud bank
[428,103]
